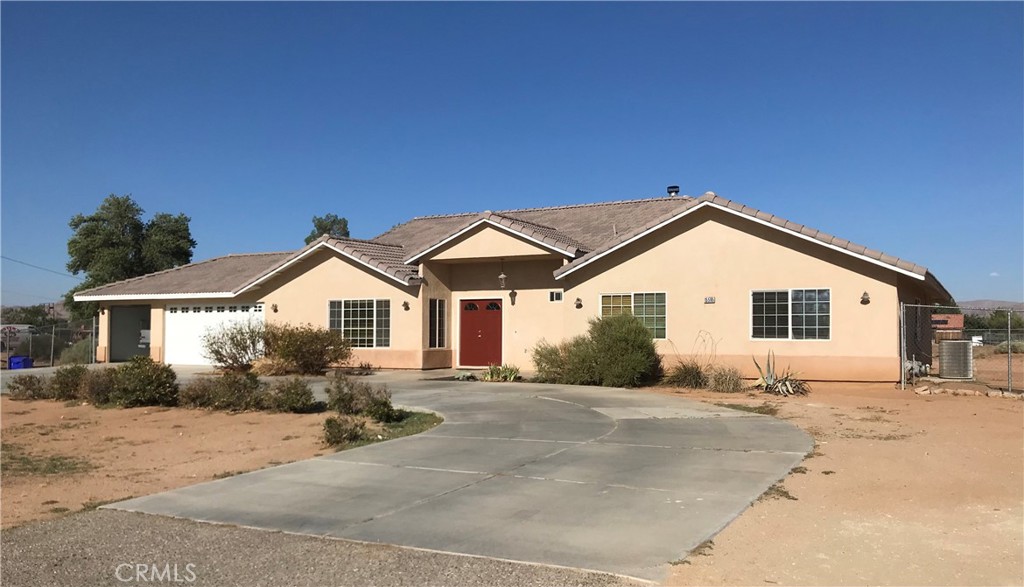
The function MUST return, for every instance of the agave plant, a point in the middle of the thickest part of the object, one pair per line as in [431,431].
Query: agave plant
[784,383]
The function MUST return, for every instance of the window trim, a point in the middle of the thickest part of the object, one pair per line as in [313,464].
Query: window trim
[789,305]
[375,334]
[632,302]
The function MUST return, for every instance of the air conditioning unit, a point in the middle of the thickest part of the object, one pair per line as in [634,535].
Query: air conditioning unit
[956,359]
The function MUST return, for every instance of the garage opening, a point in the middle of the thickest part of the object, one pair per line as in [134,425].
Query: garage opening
[129,332]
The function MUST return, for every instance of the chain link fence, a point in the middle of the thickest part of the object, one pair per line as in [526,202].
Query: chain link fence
[66,342]
[991,356]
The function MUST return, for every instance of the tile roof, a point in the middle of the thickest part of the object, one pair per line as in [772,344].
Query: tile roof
[712,198]
[584,231]
[219,275]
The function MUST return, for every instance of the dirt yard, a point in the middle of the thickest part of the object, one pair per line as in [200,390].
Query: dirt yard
[59,459]
[902,490]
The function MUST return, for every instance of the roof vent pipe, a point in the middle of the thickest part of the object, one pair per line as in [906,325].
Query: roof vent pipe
[673,190]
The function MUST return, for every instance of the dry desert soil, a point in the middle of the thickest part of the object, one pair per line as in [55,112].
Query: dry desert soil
[902,489]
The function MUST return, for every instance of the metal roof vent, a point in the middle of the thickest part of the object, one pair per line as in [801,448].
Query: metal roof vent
[956,359]
[673,190]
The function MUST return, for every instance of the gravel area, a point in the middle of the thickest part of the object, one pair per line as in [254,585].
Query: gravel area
[105,547]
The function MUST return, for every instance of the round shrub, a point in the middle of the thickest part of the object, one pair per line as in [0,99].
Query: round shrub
[67,382]
[341,430]
[624,351]
[232,391]
[97,386]
[143,382]
[351,397]
[726,380]
[308,349]
[27,387]
[235,346]
[295,396]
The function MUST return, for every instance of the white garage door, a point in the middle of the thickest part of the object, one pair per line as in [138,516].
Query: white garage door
[184,327]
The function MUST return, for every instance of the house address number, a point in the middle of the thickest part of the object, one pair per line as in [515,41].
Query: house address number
[709,300]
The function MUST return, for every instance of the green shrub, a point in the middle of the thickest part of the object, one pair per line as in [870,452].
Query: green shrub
[617,351]
[97,386]
[235,346]
[725,380]
[624,352]
[572,362]
[27,387]
[142,382]
[1004,348]
[687,373]
[341,430]
[67,382]
[295,396]
[232,391]
[79,353]
[347,396]
[309,349]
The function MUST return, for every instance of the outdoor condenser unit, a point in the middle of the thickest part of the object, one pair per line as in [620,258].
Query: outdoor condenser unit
[956,359]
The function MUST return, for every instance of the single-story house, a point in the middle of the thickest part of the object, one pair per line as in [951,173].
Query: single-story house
[705,274]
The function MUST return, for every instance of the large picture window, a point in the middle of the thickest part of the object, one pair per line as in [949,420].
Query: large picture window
[648,307]
[438,325]
[791,314]
[365,323]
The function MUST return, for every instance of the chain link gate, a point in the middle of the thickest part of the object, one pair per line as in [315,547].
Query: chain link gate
[992,358]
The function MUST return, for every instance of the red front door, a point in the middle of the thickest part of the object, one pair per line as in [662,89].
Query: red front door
[480,333]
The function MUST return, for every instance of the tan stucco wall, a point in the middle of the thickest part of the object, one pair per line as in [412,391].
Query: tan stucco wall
[156,332]
[487,241]
[712,253]
[302,293]
[103,335]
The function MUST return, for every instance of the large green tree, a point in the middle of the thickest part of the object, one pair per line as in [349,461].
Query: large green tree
[37,315]
[328,224]
[114,243]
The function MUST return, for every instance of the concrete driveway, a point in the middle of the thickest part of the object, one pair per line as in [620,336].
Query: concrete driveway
[603,479]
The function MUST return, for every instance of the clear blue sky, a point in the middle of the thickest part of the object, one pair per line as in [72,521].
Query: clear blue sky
[897,126]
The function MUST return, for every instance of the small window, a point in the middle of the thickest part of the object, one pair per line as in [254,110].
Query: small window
[196,309]
[172,310]
[554,296]
[184,310]
[245,308]
[494,306]
[208,309]
[471,307]
[220,308]
[232,308]
[437,326]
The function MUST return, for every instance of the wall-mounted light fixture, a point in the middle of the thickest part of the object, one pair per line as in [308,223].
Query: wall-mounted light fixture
[405,305]
[103,311]
[273,308]
[512,297]
[865,299]
[501,275]
[578,303]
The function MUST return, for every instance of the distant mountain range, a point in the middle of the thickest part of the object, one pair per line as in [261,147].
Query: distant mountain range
[986,306]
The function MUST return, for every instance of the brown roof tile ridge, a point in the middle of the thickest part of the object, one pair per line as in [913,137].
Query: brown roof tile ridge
[597,204]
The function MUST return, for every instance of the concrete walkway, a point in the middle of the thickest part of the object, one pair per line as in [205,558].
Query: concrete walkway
[604,479]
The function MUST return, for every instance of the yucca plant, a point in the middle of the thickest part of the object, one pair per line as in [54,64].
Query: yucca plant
[785,383]
[501,373]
